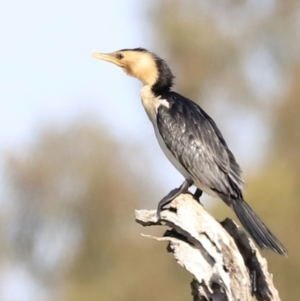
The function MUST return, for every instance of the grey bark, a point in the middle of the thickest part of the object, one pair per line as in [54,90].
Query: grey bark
[224,262]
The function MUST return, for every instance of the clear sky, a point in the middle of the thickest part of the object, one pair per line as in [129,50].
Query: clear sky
[47,74]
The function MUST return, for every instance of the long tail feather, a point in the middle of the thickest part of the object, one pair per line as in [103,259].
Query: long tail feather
[256,228]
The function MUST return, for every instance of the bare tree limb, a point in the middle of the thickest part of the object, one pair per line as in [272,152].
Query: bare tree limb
[226,265]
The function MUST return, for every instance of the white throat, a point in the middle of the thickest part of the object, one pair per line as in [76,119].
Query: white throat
[149,102]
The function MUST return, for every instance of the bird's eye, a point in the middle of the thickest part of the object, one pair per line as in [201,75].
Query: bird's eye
[120,56]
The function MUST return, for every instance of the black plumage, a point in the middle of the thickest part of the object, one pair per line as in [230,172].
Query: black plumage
[194,139]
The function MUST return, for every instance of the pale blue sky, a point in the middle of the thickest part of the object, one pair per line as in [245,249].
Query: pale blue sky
[47,74]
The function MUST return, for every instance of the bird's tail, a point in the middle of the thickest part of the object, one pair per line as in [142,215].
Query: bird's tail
[256,228]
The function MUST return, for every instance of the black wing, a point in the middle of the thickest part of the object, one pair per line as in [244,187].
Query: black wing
[194,139]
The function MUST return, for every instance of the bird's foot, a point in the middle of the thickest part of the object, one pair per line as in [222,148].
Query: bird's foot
[172,195]
[166,200]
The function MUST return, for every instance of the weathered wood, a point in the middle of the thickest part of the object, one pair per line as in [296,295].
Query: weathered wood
[225,264]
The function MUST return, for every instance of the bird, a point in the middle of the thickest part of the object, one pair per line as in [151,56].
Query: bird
[191,140]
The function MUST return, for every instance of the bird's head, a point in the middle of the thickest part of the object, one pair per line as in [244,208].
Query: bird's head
[141,64]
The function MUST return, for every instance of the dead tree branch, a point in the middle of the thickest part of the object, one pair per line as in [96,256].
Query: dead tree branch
[225,264]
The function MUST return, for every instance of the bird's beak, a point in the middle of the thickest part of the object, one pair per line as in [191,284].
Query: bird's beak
[108,57]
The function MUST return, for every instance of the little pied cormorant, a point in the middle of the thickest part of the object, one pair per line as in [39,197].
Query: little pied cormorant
[191,140]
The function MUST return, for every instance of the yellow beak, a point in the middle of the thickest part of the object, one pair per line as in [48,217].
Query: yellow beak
[108,57]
